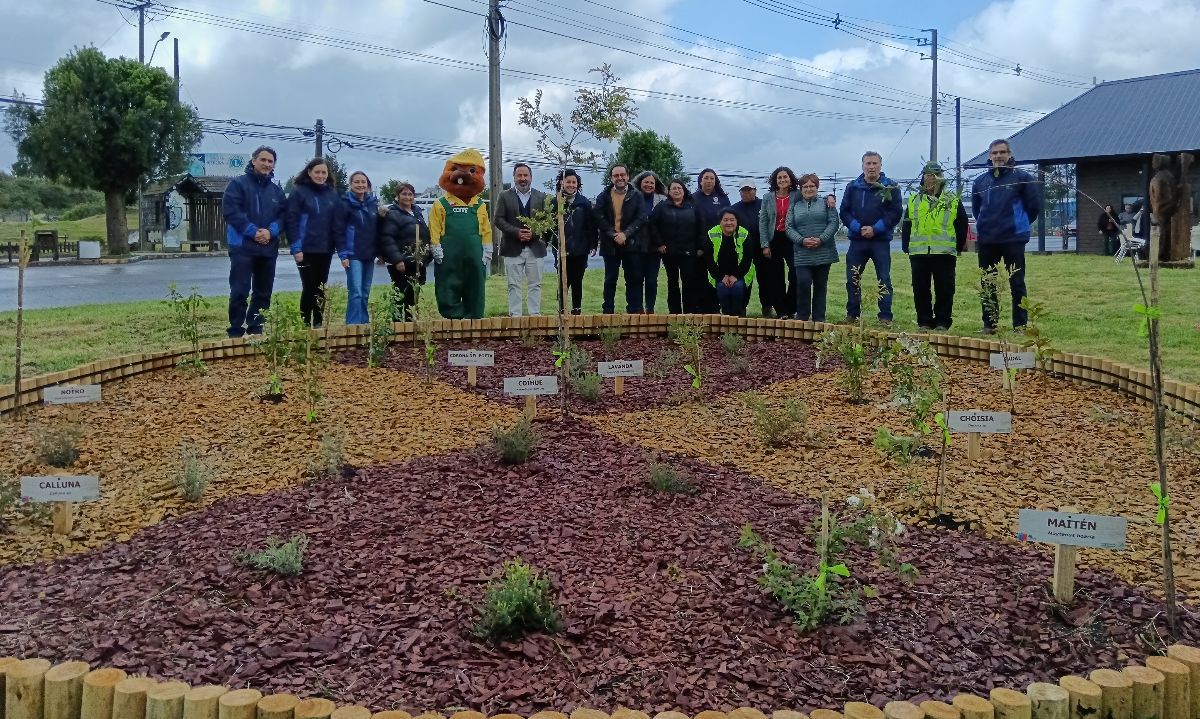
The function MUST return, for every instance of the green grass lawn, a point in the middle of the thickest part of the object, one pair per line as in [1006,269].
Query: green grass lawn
[74,230]
[1090,300]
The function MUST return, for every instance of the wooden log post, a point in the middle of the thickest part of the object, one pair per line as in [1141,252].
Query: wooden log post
[1010,704]
[64,690]
[277,706]
[62,516]
[547,714]
[165,701]
[203,702]
[395,714]
[1148,687]
[314,708]
[862,710]
[590,713]
[239,704]
[355,711]
[1048,701]
[24,689]
[783,714]
[1116,693]
[5,664]
[826,714]
[973,707]
[974,452]
[618,385]
[98,690]
[940,710]
[1191,657]
[472,375]
[1177,701]
[530,406]
[903,710]
[660,715]
[129,698]
[1085,697]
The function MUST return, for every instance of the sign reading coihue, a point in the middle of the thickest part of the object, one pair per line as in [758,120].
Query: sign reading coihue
[472,358]
[1079,530]
[1015,360]
[533,385]
[620,368]
[974,420]
[60,488]
[71,394]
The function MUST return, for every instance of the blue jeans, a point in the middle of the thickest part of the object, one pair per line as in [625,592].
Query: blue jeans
[358,291]
[613,265]
[860,252]
[732,299]
[250,276]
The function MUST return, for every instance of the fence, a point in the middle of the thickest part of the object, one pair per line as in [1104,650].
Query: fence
[1165,687]
[1080,369]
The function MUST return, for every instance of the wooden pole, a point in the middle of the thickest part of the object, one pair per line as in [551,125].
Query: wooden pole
[64,690]
[1010,704]
[1084,696]
[862,710]
[1148,687]
[471,375]
[203,702]
[314,708]
[129,698]
[940,710]
[355,711]
[1065,556]
[1177,702]
[1116,693]
[239,704]
[22,263]
[618,385]
[903,710]
[24,690]
[1191,657]
[165,701]
[973,450]
[63,516]
[1048,701]
[98,690]
[973,707]
[530,406]
[277,706]
[6,663]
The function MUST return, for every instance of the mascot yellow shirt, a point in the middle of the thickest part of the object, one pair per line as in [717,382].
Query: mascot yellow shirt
[437,219]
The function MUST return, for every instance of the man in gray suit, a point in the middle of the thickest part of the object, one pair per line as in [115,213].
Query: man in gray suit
[523,252]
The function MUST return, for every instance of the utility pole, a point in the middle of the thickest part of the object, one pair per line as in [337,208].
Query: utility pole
[319,135]
[142,32]
[933,100]
[958,144]
[176,69]
[495,32]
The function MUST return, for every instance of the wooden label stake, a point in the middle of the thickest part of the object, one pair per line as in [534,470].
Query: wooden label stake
[618,385]
[531,405]
[471,375]
[973,451]
[1064,572]
[63,515]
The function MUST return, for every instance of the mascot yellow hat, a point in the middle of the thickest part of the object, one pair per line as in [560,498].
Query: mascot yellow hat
[470,156]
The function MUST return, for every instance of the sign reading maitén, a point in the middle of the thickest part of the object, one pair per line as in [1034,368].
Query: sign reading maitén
[978,421]
[60,488]
[620,368]
[71,394]
[1014,360]
[472,358]
[526,386]
[1080,530]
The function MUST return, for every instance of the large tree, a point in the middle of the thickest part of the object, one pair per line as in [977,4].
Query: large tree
[644,150]
[105,124]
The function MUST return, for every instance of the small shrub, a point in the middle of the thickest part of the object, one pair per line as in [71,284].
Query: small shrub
[665,478]
[516,443]
[852,346]
[10,503]
[733,343]
[284,558]
[738,364]
[330,456]
[516,603]
[83,211]
[812,600]
[186,314]
[610,337]
[776,427]
[667,359]
[195,473]
[57,444]
[588,386]
[897,446]
[383,310]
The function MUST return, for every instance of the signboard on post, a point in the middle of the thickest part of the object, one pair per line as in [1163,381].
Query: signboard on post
[62,491]
[1079,530]
[979,422]
[620,368]
[1014,360]
[472,358]
[530,388]
[71,394]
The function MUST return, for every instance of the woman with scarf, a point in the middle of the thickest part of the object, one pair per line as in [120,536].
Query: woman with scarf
[653,193]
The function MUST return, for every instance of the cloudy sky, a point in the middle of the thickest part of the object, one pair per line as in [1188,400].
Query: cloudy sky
[739,85]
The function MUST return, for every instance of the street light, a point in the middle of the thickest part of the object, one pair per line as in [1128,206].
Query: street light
[160,39]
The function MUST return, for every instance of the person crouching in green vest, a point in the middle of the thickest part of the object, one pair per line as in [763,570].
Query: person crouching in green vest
[933,232]
[731,264]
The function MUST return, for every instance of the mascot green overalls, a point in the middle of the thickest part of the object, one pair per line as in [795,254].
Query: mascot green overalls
[461,234]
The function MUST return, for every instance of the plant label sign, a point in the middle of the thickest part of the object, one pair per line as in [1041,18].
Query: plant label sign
[979,422]
[532,386]
[60,488]
[1015,360]
[620,368]
[71,394]
[1078,530]
[472,358]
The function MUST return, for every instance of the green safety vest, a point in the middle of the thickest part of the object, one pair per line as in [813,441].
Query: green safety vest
[739,243]
[932,224]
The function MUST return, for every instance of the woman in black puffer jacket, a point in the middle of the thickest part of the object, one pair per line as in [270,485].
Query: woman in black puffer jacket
[676,233]
[402,232]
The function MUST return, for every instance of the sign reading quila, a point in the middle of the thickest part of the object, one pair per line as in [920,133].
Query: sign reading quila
[620,368]
[71,394]
[60,488]
[533,385]
[1079,530]
[980,422]
[1015,360]
[472,358]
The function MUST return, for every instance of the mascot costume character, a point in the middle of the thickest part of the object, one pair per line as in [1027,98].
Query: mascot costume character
[461,234]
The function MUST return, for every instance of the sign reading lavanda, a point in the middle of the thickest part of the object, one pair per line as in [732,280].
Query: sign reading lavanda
[526,386]
[71,394]
[472,358]
[980,422]
[1080,530]
[60,488]
[620,368]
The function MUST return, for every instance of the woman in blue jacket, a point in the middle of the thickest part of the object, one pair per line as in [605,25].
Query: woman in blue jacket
[356,230]
[312,207]
[582,235]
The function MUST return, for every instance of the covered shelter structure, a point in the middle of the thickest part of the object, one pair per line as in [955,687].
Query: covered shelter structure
[1110,133]
[183,212]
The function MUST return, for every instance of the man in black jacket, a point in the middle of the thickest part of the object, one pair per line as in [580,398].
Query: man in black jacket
[620,214]
[523,252]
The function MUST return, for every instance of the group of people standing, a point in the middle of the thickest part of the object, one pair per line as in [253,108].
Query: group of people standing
[713,250]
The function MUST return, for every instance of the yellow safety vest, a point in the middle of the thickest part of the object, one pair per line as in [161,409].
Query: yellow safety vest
[739,243]
[932,224]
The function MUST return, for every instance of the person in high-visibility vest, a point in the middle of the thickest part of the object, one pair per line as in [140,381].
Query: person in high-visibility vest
[731,264]
[933,232]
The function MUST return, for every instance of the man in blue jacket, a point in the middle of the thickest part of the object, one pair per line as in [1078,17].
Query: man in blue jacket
[1005,202]
[871,209]
[253,207]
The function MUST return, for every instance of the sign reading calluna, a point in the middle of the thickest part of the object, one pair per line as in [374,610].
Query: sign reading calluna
[1016,360]
[60,488]
[472,358]
[525,386]
[973,420]
[620,368]
[71,394]
[1080,530]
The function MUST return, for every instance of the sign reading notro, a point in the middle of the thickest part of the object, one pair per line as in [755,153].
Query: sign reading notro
[71,394]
